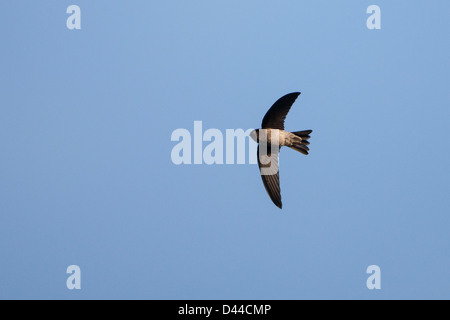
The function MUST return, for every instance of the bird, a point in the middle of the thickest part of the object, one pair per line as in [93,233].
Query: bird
[272,127]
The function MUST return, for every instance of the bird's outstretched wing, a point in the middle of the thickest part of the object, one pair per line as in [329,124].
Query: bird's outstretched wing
[276,115]
[268,166]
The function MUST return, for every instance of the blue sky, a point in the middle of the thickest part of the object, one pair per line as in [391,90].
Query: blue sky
[86,176]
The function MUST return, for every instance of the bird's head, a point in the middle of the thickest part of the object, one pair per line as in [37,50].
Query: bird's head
[255,135]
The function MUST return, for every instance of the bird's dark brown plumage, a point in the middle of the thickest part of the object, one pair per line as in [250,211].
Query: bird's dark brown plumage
[271,181]
[268,160]
[274,118]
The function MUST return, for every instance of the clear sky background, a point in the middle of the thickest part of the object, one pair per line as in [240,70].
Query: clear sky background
[86,176]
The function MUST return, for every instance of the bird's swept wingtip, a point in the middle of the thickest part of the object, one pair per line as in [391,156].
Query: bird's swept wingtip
[296,94]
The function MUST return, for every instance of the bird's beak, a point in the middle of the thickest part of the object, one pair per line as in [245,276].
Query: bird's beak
[254,135]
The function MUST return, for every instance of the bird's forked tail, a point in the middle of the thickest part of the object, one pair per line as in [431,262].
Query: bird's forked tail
[300,141]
